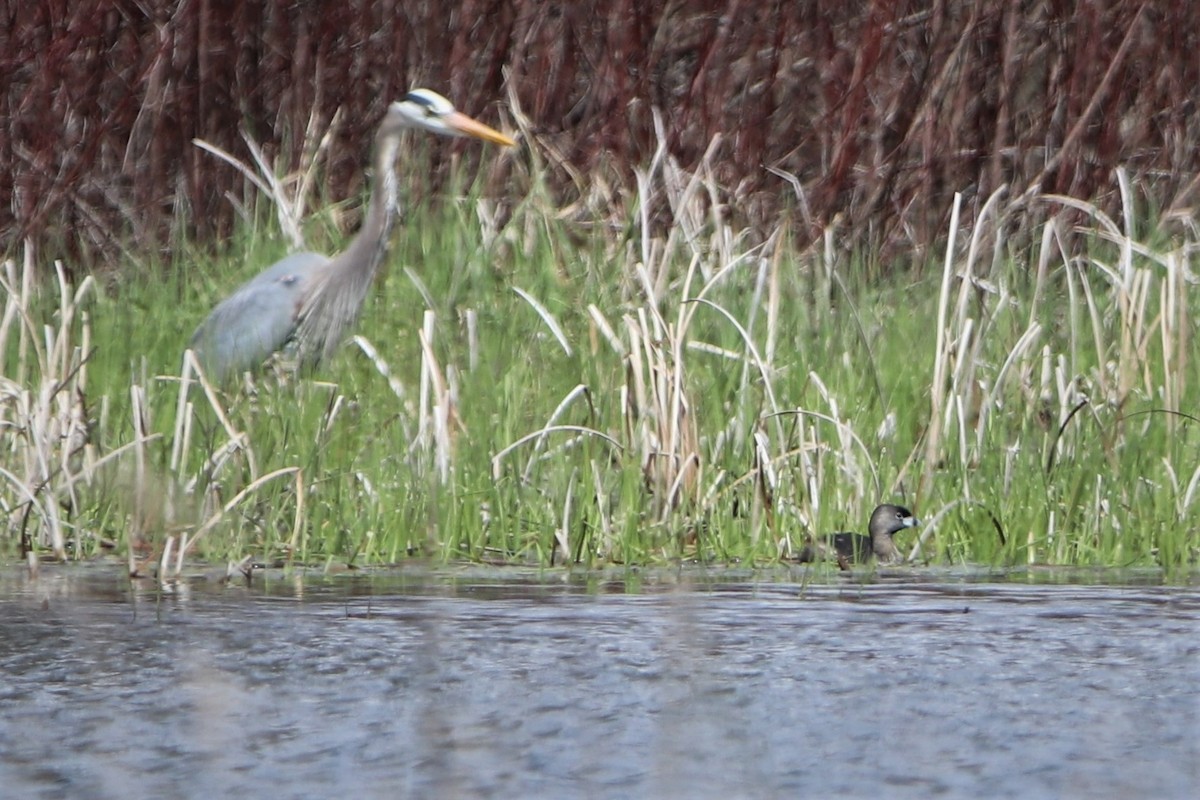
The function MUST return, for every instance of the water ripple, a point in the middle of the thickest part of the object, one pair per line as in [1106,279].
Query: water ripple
[481,688]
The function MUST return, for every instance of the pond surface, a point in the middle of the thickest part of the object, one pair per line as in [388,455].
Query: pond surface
[443,684]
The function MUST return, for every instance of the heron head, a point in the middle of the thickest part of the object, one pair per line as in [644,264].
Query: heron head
[428,111]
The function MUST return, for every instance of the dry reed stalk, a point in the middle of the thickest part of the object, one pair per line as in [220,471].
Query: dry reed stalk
[774,297]
[269,185]
[1175,336]
[291,190]
[658,413]
[184,416]
[186,542]
[938,389]
[562,535]
[136,537]
[43,410]
[850,448]
[472,321]
[969,386]
[766,485]
[547,318]
[438,415]
[658,417]
[499,457]
[604,509]
[580,391]
[298,519]
[1189,495]
[237,442]
[381,366]
[606,329]
[164,561]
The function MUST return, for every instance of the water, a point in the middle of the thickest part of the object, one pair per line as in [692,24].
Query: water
[461,684]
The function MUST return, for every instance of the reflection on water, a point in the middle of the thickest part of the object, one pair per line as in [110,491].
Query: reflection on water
[425,685]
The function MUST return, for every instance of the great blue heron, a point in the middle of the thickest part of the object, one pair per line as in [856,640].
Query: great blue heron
[306,301]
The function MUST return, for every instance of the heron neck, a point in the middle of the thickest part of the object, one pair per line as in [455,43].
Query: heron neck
[371,242]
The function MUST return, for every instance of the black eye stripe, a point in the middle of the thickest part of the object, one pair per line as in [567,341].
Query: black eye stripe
[429,105]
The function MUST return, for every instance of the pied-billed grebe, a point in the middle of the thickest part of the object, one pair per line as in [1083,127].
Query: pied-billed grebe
[856,548]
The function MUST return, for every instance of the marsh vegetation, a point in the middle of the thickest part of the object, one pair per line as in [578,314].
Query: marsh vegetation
[628,380]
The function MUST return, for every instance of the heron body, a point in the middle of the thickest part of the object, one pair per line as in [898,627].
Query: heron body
[259,318]
[308,301]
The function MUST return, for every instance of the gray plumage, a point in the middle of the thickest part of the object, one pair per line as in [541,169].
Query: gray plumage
[306,303]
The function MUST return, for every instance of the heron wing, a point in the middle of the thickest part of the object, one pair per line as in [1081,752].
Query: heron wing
[257,319]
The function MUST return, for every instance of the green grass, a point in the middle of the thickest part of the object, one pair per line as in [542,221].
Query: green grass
[706,397]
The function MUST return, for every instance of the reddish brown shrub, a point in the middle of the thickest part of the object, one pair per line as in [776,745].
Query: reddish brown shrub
[882,110]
